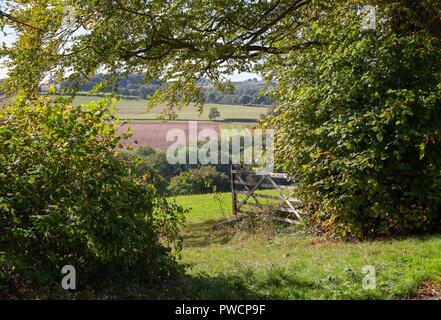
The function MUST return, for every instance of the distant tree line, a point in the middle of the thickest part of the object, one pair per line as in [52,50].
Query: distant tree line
[245,93]
[134,87]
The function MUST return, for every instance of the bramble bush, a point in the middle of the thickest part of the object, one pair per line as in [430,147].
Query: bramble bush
[359,121]
[66,198]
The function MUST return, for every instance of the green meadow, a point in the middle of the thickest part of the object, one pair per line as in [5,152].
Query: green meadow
[260,259]
[137,110]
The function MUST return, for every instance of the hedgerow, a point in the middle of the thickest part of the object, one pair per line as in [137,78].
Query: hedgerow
[359,121]
[66,198]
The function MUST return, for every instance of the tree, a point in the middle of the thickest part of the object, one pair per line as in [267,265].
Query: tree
[214,113]
[246,99]
[360,123]
[155,37]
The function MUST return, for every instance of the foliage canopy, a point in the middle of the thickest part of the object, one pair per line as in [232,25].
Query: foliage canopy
[360,121]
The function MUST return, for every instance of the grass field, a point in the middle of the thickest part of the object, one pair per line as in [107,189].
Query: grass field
[277,262]
[136,110]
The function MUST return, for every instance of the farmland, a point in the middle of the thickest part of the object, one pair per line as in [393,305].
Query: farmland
[153,133]
[254,260]
[148,130]
[136,110]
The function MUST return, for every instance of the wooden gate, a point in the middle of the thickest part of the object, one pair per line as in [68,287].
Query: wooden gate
[254,188]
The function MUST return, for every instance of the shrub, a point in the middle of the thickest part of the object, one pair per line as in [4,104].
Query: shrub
[158,162]
[151,162]
[145,151]
[360,123]
[65,198]
[196,181]
[154,163]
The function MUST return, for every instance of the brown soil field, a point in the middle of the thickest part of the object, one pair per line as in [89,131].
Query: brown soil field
[154,133]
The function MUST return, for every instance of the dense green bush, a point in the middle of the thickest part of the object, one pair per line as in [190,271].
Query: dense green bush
[201,180]
[156,160]
[153,162]
[360,121]
[65,198]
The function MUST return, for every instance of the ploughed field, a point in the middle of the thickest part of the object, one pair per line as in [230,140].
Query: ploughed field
[149,130]
[154,133]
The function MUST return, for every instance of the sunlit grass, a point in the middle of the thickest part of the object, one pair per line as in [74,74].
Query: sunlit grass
[136,110]
[273,261]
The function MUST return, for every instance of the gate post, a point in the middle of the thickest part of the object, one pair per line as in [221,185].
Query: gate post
[233,190]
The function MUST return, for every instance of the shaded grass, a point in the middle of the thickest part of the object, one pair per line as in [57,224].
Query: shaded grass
[278,262]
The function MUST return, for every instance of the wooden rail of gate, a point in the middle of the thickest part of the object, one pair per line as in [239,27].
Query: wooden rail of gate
[288,205]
